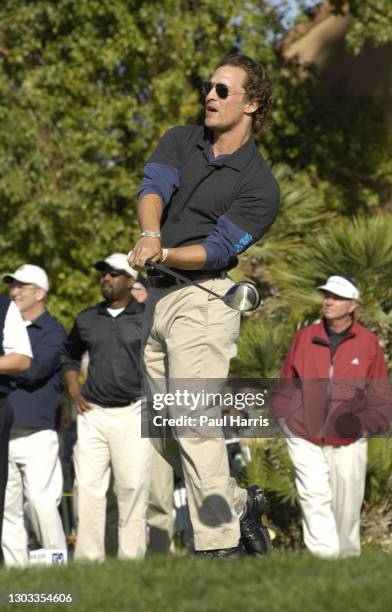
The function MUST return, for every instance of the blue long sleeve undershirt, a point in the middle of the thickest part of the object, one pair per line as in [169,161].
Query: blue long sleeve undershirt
[224,243]
[160,179]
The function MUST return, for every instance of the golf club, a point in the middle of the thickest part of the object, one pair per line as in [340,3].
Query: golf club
[243,296]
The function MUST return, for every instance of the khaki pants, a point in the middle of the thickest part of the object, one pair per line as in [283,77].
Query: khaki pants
[160,510]
[192,335]
[330,481]
[111,437]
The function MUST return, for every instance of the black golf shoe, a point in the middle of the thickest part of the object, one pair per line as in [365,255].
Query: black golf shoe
[254,534]
[230,554]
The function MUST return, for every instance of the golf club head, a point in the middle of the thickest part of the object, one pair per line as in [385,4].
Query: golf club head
[243,296]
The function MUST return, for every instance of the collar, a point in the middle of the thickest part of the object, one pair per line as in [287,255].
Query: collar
[40,321]
[237,160]
[342,334]
[321,336]
[130,308]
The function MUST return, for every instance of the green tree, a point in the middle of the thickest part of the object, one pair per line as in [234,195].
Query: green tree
[371,20]
[86,89]
[336,136]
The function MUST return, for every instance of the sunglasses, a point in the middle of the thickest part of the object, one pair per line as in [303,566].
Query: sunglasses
[113,273]
[222,90]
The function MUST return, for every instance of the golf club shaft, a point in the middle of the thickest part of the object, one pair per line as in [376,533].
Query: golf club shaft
[158,266]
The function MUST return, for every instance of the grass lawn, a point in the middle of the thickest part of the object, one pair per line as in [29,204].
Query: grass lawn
[278,583]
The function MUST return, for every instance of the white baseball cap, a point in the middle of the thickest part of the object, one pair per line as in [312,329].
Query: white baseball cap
[341,286]
[117,261]
[28,274]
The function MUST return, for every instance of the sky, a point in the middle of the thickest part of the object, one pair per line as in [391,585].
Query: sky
[294,6]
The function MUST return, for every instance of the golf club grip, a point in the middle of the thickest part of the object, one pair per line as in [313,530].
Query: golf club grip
[187,281]
[153,264]
[166,270]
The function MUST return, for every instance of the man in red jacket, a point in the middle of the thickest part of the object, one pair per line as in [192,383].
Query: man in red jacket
[333,393]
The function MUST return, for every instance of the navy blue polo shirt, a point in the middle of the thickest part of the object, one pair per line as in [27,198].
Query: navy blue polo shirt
[226,204]
[35,394]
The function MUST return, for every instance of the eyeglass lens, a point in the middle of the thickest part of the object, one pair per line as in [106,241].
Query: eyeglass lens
[221,89]
[113,273]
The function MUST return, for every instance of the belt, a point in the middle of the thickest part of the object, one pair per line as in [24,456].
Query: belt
[164,280]
[116,404]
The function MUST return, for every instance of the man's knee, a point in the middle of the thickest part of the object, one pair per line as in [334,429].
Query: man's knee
[42,504]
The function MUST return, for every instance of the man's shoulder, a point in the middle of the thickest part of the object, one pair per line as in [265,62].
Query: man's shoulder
[315,329]
[50,323]
[187,131]
[134,309]
[5,301]
[365,334]
[262,165]
[257,171]
[176,144]
[138,307]
[89,313]
[185,134]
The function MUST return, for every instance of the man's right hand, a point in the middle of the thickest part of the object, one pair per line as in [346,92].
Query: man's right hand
[82,405]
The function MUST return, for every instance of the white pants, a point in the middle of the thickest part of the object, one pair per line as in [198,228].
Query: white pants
[35,486]
[330,481]
[111,437]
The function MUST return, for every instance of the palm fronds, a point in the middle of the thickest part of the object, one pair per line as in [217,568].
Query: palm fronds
[379,470]
[261,348]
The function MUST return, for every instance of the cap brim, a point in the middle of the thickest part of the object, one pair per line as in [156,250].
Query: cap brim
[102,265]
[8,278]
[336,291]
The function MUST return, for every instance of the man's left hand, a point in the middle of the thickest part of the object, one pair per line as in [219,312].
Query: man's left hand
[145,248]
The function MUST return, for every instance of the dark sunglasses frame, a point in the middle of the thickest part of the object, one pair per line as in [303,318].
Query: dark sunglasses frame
[113,273]
[222,90]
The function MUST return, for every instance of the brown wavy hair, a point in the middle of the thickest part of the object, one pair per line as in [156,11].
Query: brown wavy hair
[257,86]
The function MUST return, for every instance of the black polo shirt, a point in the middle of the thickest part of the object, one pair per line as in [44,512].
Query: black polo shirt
[114,348]
[236,193]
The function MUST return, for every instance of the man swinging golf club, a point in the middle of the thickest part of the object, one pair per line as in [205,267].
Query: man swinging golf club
[207,195]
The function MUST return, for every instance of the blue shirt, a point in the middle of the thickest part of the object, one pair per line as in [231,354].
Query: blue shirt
[35,395]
